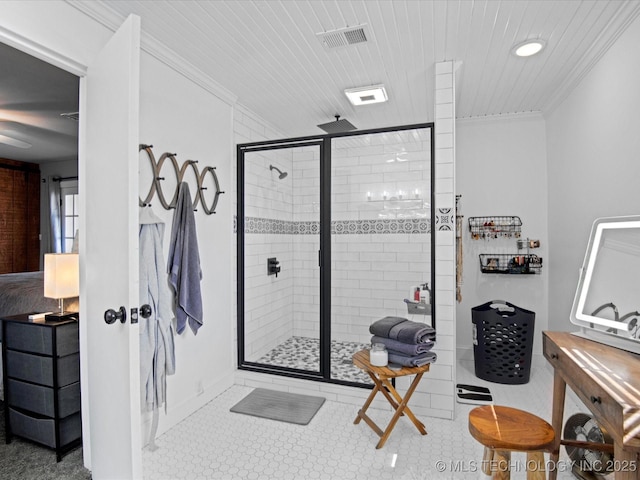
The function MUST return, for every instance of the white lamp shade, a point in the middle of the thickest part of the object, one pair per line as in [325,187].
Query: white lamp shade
[61,275]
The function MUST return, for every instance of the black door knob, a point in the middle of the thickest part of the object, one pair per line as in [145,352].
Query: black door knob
[145,311]
[110,316]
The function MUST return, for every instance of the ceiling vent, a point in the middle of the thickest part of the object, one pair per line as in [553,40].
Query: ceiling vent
[343,37]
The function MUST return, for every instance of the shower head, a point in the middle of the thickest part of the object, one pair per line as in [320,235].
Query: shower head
[282,174]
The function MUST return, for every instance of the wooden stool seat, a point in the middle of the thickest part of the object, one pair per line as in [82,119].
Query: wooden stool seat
[381,377]
[503,430]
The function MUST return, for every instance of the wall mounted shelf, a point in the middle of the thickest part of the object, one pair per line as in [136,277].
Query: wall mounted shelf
[495,227]
[398,202]
[514,264]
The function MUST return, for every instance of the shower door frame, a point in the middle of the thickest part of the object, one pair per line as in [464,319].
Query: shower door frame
[324,253]
[241,149]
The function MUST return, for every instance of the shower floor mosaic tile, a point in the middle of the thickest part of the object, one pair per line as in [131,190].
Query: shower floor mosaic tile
[214,443]
[304,353]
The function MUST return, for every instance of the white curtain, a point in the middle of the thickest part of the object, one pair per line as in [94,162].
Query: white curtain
[55,219]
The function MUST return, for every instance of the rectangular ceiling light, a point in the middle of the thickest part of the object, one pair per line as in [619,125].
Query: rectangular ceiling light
[366,95]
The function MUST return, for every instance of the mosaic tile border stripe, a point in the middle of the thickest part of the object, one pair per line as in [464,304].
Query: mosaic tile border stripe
[386,226]
[257,225]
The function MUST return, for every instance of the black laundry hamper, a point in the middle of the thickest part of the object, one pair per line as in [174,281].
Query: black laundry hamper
[502,342]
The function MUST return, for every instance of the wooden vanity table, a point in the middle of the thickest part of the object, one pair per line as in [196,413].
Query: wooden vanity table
[607,380]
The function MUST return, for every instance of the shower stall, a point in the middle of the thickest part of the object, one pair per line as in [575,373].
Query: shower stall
[334,232]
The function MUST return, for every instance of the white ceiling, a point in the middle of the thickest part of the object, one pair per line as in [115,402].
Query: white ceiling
[33,94]
[265,54]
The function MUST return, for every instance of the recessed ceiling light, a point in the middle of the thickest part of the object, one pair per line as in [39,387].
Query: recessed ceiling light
[366,95]
[528,47]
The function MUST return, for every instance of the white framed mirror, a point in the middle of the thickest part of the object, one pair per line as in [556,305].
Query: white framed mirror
[606,306]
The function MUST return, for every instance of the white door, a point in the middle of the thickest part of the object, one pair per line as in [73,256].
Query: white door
[108,177]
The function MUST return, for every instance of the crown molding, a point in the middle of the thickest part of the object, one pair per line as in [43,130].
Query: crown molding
[500,117]
[104,15]
[41,52]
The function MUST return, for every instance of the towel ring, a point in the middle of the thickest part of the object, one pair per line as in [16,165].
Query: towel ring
[212,209]
[157,179]
[152,189]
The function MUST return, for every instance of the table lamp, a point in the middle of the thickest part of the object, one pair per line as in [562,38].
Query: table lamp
[61,280]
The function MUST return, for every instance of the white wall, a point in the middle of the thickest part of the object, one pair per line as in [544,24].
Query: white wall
[57,26]
[197,126]
[501,170]
[593,155]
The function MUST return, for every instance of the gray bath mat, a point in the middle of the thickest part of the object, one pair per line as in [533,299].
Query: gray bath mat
[282,406]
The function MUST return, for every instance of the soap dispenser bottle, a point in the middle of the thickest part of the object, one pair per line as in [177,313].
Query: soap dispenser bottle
[416,295]
[425,294]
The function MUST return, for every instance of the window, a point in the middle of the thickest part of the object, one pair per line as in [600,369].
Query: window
[69,213]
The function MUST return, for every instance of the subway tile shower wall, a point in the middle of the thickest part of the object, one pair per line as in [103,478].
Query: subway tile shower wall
[269,300]
[381,239]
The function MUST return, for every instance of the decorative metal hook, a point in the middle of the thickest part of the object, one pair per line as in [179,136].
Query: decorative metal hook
[180,172]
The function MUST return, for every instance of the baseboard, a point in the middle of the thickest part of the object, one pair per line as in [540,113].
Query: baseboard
[465,354]
[180,411]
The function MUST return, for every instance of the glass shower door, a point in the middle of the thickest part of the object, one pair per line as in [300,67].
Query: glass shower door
[380,236]
[279,250]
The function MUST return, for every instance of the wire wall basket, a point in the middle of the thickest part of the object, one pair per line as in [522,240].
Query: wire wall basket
[510,263]
[495,227]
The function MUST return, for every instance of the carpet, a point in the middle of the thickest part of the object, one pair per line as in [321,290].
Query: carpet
[24,460]
[281,406]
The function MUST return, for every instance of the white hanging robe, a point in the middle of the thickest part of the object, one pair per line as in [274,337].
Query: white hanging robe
[157,354]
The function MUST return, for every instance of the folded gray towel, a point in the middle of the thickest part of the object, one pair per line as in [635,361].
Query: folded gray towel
[413,361]
[394,346]
[384,325]
[412,332]
[403,330]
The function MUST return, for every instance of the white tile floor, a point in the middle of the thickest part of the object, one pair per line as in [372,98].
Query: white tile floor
[214,443]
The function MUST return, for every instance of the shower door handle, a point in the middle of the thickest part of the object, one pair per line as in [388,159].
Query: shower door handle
[320,258]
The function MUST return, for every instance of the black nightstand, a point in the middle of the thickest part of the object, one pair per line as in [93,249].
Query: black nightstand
[41,371]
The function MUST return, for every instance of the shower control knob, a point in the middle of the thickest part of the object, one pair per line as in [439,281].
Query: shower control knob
[273,266]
